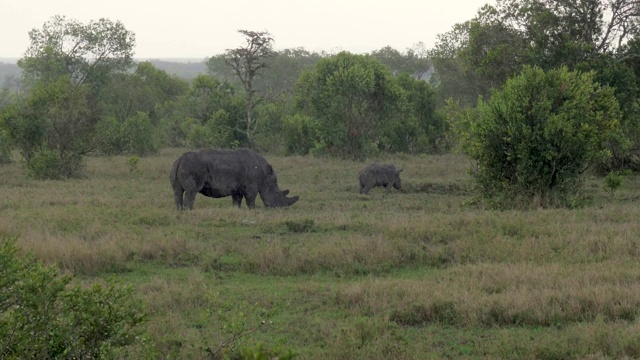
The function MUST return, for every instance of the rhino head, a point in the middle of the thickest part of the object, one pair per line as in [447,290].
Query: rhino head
[271,194]
[274,197]
[396,180]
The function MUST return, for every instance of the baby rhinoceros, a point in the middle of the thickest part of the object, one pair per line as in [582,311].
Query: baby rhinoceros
[379,175]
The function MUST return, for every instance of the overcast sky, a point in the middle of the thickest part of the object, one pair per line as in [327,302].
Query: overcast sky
[202,28]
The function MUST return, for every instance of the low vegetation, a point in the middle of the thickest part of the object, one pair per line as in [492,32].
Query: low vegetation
[419,273]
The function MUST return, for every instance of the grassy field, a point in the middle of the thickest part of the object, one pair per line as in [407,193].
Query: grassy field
[415,274]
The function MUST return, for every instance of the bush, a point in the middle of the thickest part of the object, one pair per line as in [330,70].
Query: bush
[44,164]
[43,317]
[54,118]
[539,133]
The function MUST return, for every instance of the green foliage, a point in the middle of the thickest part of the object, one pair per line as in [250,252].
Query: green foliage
[612,182]
[132,162]
[65,66]
[625,150]
[481,54]
[350,96]
[301,134]
[540,132]
[45,164]
[135,135]
[43,317]
[236,320]
[5,145]
[413,61]
[52,129]
[207,116]
[451,76]
[216,132]
[270,135]
[459,121]
[147,90]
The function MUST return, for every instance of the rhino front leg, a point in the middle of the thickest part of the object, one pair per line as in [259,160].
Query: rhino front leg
[250,198]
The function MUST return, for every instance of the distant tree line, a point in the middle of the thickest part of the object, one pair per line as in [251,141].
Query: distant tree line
[81,93]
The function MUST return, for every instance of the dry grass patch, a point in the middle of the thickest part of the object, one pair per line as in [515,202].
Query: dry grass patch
[503,295]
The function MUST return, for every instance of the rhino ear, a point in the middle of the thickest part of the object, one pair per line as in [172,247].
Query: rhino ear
[269,169]
[399,171]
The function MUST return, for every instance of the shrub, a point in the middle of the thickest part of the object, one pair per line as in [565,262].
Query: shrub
[539,133]
[55,118]
[43,317]
[45,164]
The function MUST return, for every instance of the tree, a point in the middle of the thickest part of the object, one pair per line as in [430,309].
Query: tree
[247,62]
[451,76]
[285,66]
[501,39]
[133,105]
[52,128]
[539,133]
[213,111]
[413,62]
[86,53]
[65,66]
[350,96]
[419,128]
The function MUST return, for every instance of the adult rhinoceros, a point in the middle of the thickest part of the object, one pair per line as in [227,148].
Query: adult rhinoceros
[220,173]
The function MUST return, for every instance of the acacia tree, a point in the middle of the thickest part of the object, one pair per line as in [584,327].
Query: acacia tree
[247,62]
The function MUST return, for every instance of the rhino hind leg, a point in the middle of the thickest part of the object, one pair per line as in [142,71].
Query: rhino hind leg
[190,198]
[178,199]
[177,195]
[237,199]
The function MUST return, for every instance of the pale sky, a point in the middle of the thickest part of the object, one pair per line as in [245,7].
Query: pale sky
[203,28]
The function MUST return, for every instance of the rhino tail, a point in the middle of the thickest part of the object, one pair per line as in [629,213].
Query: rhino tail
[177,188]
[173,175]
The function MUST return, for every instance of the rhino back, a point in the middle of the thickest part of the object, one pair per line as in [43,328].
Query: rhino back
[376,173]
[221,170]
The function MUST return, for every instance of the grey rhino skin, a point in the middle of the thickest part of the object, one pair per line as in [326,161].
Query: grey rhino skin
[379,175]
[220,173]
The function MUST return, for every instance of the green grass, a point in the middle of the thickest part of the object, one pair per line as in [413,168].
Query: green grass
[412,274]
